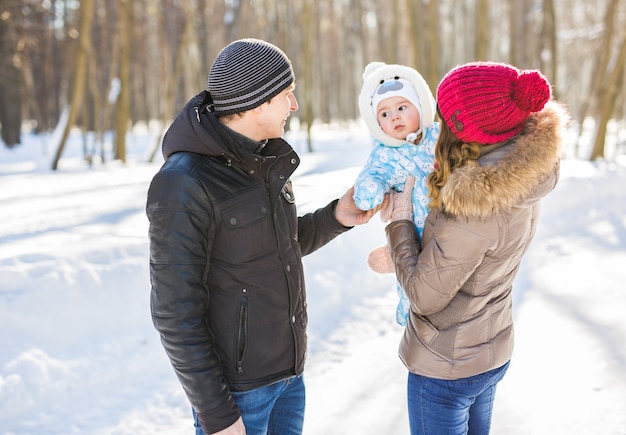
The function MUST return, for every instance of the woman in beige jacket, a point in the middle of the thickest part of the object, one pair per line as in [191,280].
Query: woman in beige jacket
[496,157]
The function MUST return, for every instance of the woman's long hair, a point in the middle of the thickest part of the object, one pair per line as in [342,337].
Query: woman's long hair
[450,153]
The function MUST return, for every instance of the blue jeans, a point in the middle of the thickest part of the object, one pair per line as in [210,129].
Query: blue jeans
[458,407]
[276,409]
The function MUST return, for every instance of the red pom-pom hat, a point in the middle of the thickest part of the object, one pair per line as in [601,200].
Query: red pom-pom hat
[488,102]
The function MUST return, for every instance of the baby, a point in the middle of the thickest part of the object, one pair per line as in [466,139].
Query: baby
[399,110]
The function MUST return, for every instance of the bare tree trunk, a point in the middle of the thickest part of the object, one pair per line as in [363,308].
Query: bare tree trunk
[519,32]
[11,77]
[392,39]
[173,79]
[80,76]
[547,49]
[432,38]
[232,20]
[415,32]
[192,71]
[99,105]
[122,113]
[112,83]
[307,72]
[10,105]
[614,85]
[482,26]
[600,70]
[363,27]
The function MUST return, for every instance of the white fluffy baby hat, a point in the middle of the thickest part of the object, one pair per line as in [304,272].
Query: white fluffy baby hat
[375,76]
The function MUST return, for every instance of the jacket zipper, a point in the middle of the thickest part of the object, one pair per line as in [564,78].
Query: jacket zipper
[242,335]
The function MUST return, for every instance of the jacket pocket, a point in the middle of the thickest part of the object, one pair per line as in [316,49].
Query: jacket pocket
[424,329]
[247,232]
[242,335]
[437,343]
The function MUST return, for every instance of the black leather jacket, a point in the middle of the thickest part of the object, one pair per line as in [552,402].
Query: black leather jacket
[228,296]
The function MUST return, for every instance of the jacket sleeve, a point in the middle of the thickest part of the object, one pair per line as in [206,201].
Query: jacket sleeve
[180,232]
[432,276]
[376,178]
[318,228]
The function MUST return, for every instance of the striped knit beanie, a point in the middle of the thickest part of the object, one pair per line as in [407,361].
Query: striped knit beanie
[488,102]
[246,74]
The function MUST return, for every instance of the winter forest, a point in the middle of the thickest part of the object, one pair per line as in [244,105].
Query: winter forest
[107,66]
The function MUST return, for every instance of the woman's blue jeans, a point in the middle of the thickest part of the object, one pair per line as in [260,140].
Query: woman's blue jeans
[276,409]
[458,407]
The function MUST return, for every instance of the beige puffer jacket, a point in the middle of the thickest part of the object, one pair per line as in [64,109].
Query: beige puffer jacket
[460,284]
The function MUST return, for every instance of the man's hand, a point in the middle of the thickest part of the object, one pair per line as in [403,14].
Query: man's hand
[349,215]
[237,428]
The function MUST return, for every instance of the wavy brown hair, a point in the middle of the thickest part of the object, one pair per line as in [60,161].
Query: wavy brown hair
[450,154]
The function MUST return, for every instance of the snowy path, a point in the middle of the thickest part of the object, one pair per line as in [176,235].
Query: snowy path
[79,354]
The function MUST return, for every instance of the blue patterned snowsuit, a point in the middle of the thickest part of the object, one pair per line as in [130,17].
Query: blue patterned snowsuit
[387,168]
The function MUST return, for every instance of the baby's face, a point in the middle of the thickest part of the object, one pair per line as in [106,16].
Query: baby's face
[398,117]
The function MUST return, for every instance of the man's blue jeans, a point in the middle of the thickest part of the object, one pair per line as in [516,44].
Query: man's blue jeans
[276,409]
[458,407]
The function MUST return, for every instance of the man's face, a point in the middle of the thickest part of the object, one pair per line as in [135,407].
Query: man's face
[274,113]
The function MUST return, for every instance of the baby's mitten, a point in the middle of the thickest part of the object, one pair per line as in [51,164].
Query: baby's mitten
[379,260]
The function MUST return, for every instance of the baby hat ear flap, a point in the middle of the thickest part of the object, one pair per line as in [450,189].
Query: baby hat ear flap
[427,98]
[373,76]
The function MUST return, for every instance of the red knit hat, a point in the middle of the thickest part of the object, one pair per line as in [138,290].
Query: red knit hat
[488,102]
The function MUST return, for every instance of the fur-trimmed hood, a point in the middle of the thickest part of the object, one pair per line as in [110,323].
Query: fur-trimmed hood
[518,173]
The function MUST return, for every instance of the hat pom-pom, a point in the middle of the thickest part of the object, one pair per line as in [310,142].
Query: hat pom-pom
[531,91]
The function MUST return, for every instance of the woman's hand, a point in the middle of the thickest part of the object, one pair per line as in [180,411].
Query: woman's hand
[400,203]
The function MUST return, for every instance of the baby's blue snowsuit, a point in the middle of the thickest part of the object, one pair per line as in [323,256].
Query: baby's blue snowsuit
[387,168]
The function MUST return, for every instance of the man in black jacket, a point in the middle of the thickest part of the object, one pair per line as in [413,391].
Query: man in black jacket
[228,296]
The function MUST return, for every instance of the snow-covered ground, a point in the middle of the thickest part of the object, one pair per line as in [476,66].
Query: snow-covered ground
[79,355]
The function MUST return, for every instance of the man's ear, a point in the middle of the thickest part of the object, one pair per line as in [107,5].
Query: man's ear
[258,110]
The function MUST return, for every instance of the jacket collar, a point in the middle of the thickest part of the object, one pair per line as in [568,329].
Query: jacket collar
[519,171]
[198,130]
